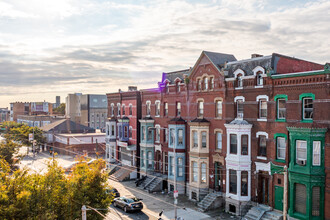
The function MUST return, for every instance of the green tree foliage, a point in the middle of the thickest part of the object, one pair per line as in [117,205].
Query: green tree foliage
[20,133]
[53,195]
[60,109]
[7,151]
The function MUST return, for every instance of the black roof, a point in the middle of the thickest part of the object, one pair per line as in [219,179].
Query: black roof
[219,59]
[67,126]
[200,120]
[171,76]
[177,119]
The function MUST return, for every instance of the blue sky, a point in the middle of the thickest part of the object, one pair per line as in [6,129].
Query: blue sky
[50,48]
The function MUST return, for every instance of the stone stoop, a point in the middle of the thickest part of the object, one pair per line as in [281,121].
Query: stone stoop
[262,212]
[209,201]
[145,182]
[121,174]
[154,185]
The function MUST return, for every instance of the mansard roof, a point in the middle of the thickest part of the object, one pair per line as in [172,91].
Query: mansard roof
[219,59]
[171,76]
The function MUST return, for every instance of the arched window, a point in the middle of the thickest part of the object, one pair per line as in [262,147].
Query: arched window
[260,80]
[130,109]
[112,109]
[239,81]
[148,107]
[177,87]
[206,83]
[199,85]
[130,132]
[167,89]
[212,83]
[123,109]
[118,109]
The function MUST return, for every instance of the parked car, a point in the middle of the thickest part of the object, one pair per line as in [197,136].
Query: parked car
[114,191]
[128,203]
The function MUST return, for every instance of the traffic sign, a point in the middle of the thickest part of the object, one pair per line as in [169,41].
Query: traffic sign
[175,193]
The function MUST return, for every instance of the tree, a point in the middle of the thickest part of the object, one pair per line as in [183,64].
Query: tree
[60,109]
[7,151]
[53,195]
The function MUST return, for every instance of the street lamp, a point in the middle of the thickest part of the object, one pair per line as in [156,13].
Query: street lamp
[175,192]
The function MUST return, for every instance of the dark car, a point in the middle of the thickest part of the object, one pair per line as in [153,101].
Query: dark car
[114,191]
[128,203]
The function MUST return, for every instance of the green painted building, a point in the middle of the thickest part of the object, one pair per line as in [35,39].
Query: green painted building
[306,172]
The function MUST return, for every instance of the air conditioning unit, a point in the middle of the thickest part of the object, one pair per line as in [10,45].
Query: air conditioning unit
[301,162]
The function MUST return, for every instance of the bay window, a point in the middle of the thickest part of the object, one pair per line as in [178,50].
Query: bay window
[233,143]
[244,183]
[244,145]
[180,136]
[203,173]
[195,139]
[204,139]
[301,152]
[194,171]
[180,166]
[233,181]
[316,153]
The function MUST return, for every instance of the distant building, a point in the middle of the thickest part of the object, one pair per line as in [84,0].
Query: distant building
[29,108]
[4,114]
[37,120]
[58,102]
[90,110]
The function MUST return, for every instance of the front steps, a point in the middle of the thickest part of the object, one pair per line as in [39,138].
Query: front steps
[210,201]
[262,212]
[122,173]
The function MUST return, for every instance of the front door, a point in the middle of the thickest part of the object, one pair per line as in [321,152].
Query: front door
[279,198]
[263,188]
[217,176]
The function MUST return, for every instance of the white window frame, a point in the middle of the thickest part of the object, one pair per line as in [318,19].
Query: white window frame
[194,172]
[166,109]
[318,155]
[278,148]
[178,109]
[304,109]
[203,172]
[262,98]
[301,145]
[200,108]
[157,133]
[157,108]
[148,108]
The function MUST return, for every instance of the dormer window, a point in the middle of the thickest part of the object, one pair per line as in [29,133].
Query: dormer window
[167,89]
[239,81]
[260,80]
[177,87]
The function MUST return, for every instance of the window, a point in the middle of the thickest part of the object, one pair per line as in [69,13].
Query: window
[180,166]
[218,109]
[130,110]
[203,139]
[233,181]
[244,144]
[205,83]
[239,81]
[300,198]
[120,131]
[167,89]
[157,110]
[203,173]
[126,131]
[195,139]
[112,109]
[180,137]
[130,132]
[149,135]
[281,148]
[165,109]
[178,109]
[262,151]
[199,85]
[281,109]
[157,134]
[177,87]
[143,133]
[244,183]
[171,165]
[212,83]
[123,110]
[142,158]
[165,135]
[301,151]
[172,136]
[316,153]
[118,109]
[149,159]
[307,108]
[260,80]
[262,108]
[112,130]
[218,140]
[240,110]
[316,201]
[194,172]
[233,143]
[148,108]
[200,109]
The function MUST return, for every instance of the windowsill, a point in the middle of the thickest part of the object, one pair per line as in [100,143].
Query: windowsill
[259,86]
[262,119]
[280,120]
[261,158]
[280,160]
[218,150]
[307,121]
[218,118]
[157,116]
[238,88]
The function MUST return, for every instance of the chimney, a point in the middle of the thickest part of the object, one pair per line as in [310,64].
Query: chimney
[255,55]
[132,88]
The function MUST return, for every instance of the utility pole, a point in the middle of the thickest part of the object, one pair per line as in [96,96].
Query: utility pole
[285,196]
[175,193]
[83,213]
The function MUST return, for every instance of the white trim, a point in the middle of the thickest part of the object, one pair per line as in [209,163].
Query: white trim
[166,80]
[259,86]
[248,77]
[257,69]
[261,158]
[239,97]
[261,133]
[230,79]
[262,97]
[239,71]
[176,79]
[263,167]
[261,119]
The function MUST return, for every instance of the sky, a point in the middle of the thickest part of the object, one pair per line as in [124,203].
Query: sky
[50,48]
